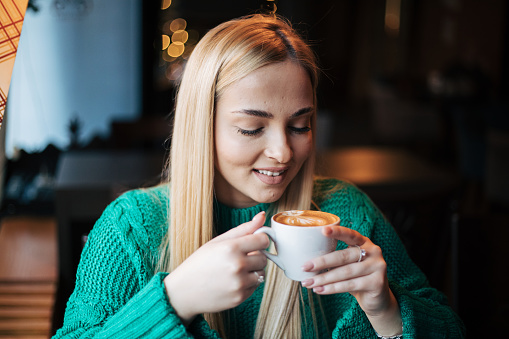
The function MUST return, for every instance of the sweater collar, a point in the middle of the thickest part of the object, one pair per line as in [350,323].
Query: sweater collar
[226,218]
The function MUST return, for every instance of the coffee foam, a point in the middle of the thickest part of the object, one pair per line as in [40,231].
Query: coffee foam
[305,218]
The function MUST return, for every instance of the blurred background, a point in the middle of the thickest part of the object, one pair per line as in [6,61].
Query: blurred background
[412,108]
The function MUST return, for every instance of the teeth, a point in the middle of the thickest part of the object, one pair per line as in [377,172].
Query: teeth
[269,173]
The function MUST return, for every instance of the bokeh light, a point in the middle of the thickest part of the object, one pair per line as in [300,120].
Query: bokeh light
[166,57]
[165,4]
[166,28]
[165,41]
[180,36]
[177,43]
[176,49]
[392,21]
[178,24]
[392,16]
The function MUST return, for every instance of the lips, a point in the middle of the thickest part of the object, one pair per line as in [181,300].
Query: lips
[271,176]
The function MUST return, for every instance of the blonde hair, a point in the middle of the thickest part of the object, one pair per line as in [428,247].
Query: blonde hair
[224,55]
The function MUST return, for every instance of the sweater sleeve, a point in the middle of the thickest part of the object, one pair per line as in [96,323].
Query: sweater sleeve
[424,310]
[115,295]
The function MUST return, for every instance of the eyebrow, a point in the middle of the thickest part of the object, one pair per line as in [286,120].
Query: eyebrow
[265,114]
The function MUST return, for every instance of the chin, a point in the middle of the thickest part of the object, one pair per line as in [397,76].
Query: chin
[267,200]
[271,197]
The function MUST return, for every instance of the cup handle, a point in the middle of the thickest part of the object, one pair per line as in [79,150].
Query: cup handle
[272,236]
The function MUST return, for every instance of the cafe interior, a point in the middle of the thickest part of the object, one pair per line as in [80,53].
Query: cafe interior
[413,108]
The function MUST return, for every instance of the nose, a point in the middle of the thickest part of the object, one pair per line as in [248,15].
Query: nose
[279,149]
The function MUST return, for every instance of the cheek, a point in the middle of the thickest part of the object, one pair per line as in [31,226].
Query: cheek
[230,153]
[303,148]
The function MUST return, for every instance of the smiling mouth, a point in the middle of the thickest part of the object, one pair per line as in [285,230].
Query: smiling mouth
[269,173]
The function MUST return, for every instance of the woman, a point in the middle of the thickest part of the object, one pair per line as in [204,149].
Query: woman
[243,149]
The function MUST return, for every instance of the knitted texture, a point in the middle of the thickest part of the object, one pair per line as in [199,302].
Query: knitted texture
[118,294]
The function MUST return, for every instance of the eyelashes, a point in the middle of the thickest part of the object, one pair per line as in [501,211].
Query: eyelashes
[248,132]
[254,132]
[300,130]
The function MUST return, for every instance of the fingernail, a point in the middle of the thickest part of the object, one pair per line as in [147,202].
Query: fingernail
[307,282]
[318,289]
[259,215]
[327,231]
[307,266]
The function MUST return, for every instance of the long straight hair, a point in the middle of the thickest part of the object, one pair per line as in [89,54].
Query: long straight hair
[224,55]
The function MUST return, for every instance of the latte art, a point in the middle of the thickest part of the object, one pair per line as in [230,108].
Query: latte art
[306,218]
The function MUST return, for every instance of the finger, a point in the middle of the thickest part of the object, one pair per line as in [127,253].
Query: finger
[259,277]
[256,262]
[347,286]
[253,242]
[243,229]
[337,274]
[345,234]
[334,259]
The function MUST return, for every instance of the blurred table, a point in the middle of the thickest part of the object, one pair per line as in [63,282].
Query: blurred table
[384,173]
[86,183]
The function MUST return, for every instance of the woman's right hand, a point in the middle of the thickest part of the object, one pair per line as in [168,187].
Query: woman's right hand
[221,274]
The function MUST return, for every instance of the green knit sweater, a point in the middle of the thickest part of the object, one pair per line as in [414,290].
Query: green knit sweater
[118,294]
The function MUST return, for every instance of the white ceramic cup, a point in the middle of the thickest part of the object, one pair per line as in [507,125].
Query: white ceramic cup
[296,245]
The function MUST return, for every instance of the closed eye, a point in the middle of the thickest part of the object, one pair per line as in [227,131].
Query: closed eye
[300,130]
[249,132]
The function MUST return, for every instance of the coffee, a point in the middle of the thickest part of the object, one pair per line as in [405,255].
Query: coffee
[306,218]
[297,245]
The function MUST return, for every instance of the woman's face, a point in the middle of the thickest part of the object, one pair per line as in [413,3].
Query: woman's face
[262,134]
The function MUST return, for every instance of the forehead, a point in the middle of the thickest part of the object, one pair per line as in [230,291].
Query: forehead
[284,84]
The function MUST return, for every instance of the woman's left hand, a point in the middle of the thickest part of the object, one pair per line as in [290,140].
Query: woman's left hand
[363,276]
